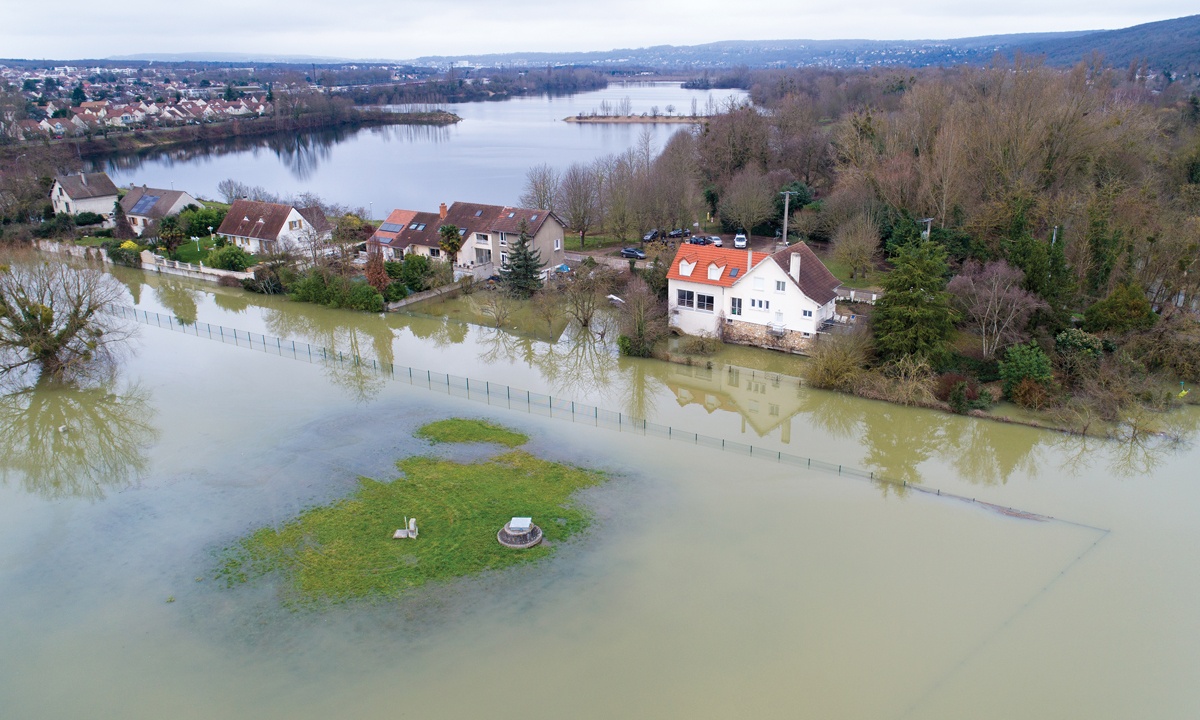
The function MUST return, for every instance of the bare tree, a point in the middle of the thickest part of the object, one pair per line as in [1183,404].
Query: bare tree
[497,306]
[231,190]
[52,317]
[583,294]
[643,320]
[748,200]
[542,189]
[992,300]
[856,244]
[580,199]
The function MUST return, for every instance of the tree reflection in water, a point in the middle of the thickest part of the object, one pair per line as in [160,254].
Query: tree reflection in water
[342,332]
[178,297]
[66,441]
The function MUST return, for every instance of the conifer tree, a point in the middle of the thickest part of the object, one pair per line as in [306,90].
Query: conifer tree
[521,276]
[914,317]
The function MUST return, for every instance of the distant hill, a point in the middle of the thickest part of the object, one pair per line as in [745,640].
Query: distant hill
[1172,45]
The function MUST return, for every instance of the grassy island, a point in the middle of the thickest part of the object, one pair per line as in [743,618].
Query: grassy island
[345,550]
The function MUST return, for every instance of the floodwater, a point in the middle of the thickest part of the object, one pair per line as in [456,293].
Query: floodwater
[482,159]
[712,584]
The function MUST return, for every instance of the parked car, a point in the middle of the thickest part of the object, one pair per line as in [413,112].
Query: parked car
[700,240]
[632,252]
[716,240]
[652,235]
[679,233]
[739,241]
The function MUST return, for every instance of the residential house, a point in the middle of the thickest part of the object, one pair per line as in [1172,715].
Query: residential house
[144,205]
[776,301]
[487,232]
[383,241]
[261,227]
[84,192]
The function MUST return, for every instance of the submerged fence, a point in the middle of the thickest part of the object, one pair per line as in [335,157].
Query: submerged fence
[512,398]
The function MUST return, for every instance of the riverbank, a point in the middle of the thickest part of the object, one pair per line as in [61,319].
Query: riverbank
[635,120]
[139,140]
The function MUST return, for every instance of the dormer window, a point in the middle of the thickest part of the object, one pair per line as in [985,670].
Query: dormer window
[714,271]
[685,268]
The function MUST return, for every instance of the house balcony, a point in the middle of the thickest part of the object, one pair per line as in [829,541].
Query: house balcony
[776,329]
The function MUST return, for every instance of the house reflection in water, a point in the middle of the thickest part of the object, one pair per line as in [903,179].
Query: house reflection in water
[765,401]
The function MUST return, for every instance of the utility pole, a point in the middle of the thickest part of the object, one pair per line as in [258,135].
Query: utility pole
[787,203]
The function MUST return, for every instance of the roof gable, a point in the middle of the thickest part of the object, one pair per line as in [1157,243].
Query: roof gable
[87,185]
[815,280]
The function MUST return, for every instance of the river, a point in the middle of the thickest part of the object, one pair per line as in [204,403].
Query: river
[713,584]
[482,159]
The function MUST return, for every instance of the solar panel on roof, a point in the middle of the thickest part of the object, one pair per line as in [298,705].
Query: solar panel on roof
[144,204]
[391,227]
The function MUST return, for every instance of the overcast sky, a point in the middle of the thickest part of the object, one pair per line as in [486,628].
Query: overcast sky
[405,29]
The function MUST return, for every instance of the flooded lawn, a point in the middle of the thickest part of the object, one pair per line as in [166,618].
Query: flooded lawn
[708,584]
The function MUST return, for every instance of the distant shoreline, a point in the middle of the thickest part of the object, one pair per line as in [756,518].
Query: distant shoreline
[634,119]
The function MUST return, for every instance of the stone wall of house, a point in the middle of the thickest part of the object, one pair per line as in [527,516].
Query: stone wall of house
[745,333]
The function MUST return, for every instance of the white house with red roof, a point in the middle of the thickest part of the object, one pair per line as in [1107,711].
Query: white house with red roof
[778,300]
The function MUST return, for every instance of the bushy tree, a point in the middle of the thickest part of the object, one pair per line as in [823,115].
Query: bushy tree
[1025,363]
[643,320]
[521,277]
[1126,308]
[914,316]
[230,257]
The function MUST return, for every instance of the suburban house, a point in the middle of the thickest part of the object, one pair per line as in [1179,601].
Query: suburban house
[384,239]
[84,192]
[778,301]
[487,232]
[144,205]
[259,227]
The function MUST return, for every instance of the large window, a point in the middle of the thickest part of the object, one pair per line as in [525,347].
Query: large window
[704,302]
[735,306]
[685,298]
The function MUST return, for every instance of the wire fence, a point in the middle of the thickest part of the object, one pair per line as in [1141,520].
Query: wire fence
[535,403]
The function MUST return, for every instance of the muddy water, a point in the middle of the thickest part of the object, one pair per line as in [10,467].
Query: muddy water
[712,584]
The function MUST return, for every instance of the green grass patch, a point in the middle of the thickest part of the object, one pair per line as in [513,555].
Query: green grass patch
[463,430]
[842,272]
[89,241]
[188,253]
[345,551]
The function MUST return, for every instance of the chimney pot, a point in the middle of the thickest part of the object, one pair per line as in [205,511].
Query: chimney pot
[442,210]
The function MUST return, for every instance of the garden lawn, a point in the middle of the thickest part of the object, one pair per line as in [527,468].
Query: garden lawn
[345,550]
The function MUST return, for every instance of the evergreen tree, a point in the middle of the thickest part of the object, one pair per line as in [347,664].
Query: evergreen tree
[914,316]
[121,228]
[521,276]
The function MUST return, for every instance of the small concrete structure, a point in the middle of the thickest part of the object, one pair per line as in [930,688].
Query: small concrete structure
[408,532]
[519,533]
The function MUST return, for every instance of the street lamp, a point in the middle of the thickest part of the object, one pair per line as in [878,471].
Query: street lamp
[210,236]
[787,203]
[928,228]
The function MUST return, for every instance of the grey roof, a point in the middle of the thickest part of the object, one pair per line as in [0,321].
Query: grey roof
[815,279]
[82,186]
[153,203]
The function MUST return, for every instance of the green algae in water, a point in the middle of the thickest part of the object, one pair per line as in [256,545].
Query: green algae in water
[345,551]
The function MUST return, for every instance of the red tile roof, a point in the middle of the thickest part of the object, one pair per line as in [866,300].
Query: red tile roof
[705,255]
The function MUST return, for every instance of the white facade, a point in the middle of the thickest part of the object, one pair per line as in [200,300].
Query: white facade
[64,203]
[724,288]
[297,234]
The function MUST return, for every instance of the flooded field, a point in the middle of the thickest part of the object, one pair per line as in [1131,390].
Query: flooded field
[711,583]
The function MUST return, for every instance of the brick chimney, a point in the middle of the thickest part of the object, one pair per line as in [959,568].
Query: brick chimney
[442,210]
[794,266]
